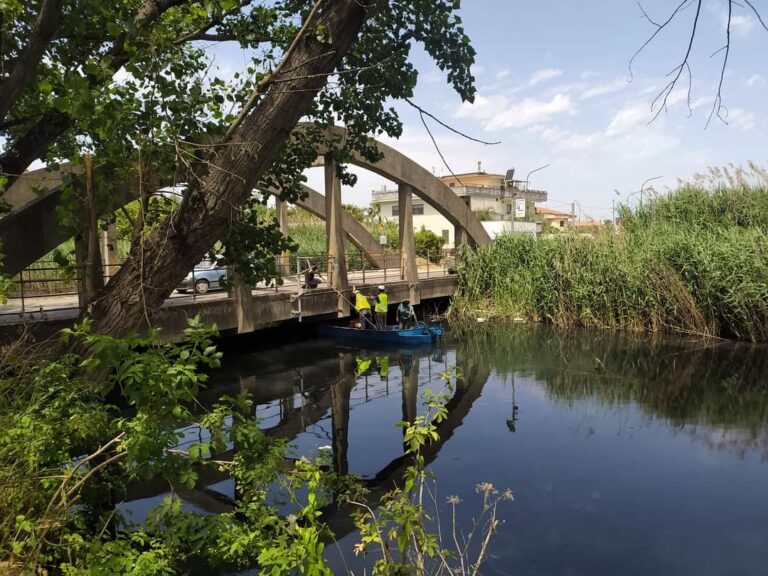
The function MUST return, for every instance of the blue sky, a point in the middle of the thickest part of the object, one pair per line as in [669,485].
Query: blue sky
[552,79]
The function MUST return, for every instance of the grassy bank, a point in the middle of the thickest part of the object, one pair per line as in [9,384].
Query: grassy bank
[695,261]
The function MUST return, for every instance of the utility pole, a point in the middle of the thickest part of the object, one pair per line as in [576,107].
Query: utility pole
[573,214]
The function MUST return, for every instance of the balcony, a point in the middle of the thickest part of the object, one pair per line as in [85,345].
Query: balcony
[514,189]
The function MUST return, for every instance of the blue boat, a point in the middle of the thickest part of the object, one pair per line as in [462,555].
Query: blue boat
[420,334]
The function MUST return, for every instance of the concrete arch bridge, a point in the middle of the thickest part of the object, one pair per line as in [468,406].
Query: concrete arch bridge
[31,230]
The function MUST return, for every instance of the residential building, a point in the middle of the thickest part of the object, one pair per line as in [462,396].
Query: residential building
[503,203]
[553,219]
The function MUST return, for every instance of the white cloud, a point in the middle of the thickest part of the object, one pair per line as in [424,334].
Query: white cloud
[543,75]
[498,111]
[637,113]
[502,74]
[741,119]
[432,76]
[604,88]
[755,81]
[629,118]
[741,24]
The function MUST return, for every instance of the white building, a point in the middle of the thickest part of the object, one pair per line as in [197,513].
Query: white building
[503,204]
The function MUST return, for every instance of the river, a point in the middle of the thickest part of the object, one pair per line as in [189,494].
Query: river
[626,455]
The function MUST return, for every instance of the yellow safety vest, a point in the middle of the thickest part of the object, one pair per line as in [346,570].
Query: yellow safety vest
[383,362]
[381,302]
[362,365]
[361,302]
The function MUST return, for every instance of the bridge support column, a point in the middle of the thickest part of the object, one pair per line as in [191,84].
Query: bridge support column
[460,236]
[281,209]
[109,252]
[337,261]
[243,303]
[341,393]
[408,269]
[409,367]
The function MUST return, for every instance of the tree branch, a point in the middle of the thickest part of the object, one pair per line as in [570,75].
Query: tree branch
[36,140]
[676,72]
[757,14]
[217,19]
[23,69]
[659,28]
[444,125]
[717,105]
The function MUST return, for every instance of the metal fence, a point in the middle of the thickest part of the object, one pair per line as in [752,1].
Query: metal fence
[48,287]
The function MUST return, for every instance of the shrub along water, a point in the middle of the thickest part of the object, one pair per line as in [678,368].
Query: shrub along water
[694,261]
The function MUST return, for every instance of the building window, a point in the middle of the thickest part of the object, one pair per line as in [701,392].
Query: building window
[509,208]
[447,236]
[468,201]
[418,209]
[395,211]
[562,223]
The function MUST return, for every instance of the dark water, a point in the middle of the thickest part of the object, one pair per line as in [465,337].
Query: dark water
[625,455]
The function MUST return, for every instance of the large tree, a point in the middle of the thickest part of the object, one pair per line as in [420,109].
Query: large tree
[131,82]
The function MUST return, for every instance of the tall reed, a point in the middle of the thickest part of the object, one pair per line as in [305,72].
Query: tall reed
[694,261]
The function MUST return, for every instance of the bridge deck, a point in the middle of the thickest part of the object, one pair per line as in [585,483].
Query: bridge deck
[270,304]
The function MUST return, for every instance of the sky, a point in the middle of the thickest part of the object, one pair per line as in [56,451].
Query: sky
[553,84]
[554,87]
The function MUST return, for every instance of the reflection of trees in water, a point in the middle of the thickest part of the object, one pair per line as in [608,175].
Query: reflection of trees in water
[689,383]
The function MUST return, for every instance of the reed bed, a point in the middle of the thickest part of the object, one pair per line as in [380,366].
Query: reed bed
[694,261]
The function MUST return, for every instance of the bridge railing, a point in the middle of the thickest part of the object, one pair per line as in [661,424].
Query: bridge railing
[47,287]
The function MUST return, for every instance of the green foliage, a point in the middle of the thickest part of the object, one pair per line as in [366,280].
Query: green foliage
[428,244]
[695,261]
[406,533]
[68,453]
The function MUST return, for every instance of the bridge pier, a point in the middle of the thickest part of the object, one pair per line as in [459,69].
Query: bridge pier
[409,372]
[243,304]
[337,261]
[110,263]
[284,260]
[461,238]
[408,269]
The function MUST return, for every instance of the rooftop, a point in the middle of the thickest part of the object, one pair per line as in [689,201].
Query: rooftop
[550,211]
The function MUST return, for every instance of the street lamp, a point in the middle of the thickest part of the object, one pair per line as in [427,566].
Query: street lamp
[643,187]
[534,170]
[613,208]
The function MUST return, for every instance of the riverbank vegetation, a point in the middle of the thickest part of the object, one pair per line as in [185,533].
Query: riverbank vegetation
[693,261]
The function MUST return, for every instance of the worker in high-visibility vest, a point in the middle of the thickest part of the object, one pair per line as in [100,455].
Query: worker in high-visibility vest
[363,308]
[380,308]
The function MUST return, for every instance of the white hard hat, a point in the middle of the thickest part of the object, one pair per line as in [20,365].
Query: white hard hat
[381,287]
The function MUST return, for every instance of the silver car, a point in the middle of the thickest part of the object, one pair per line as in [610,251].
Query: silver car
[206,276]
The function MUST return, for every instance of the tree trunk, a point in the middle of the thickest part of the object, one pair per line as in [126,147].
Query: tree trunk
[161,259]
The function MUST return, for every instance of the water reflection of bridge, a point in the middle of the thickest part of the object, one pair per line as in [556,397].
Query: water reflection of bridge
[319,391]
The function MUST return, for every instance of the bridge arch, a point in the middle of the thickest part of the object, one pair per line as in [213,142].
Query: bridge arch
[404,171]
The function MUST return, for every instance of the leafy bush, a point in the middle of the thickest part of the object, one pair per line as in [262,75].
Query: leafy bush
[428,244]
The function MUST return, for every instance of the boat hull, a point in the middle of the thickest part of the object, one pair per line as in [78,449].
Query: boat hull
[390,336]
